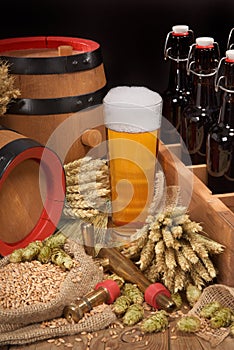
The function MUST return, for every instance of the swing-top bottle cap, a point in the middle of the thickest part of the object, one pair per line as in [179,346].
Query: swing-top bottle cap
[204,41]
[180,29]
[230,55]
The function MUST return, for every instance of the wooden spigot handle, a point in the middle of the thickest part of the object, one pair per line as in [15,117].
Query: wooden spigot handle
[65,50]
[91,137]
[155,294]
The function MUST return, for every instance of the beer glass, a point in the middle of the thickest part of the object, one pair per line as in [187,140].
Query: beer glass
[132,116]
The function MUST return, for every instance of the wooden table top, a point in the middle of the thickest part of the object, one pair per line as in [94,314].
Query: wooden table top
[127,338]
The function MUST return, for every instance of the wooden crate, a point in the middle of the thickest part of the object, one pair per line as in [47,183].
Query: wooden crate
[214,212]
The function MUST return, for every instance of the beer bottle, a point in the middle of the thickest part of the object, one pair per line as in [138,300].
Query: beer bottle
[220,141]
[203,108]
[177,94]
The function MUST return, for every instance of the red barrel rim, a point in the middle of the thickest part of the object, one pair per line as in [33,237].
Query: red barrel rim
[47,42]
[55,196]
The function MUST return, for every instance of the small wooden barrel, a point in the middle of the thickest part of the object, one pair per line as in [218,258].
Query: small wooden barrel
[57,77]
[32,191]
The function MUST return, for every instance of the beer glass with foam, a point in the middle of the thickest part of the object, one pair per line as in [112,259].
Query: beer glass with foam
[132,117]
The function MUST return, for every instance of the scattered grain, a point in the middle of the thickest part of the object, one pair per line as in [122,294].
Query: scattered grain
[50,340]
[114,336]
[78,339]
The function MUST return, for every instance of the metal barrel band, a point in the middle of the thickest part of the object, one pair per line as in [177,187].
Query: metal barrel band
[61,105]
[54,65]
[11,150]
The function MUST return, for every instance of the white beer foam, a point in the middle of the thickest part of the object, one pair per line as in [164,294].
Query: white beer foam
[132,109]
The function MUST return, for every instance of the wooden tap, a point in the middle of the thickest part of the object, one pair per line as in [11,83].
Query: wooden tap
[91,137]
[155,294]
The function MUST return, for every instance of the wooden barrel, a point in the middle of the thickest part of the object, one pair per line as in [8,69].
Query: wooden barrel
[57,77]
[32,191]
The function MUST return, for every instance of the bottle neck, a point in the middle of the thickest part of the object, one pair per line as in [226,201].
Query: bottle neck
[203,78]
[229,75]
[203,92]
[179,46]
[226,115]
[205,60]
[178,77]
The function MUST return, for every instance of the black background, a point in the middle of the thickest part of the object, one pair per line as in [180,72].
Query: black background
[131,32]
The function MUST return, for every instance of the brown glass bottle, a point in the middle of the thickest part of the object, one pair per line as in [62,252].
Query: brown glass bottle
[177,93]
[202,111]
[220,141]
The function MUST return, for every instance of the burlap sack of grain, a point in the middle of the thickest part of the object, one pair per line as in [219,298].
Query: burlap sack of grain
[225,296]
[14,320]
[39,331]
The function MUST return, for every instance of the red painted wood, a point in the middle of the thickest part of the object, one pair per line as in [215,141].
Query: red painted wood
[43,42]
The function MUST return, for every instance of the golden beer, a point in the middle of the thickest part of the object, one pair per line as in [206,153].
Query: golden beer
[132,171]
[132,117]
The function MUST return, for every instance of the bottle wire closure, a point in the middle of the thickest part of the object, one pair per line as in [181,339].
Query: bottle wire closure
[176,33]
[230,45]
[191,61]
[220,77]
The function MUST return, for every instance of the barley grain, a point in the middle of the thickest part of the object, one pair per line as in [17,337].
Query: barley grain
[28,283]
[50,340]
[78,339]
[173,337]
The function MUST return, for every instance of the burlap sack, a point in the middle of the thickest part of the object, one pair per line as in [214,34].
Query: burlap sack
[25,325]
[222,294]
[36,332]
[69,291]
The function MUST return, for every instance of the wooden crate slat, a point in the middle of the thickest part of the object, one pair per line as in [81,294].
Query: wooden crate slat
[216,218]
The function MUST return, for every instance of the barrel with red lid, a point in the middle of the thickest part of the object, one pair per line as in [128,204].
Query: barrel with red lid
[32,191]
[57,77]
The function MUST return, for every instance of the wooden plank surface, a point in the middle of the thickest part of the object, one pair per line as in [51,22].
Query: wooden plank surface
[128,339]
